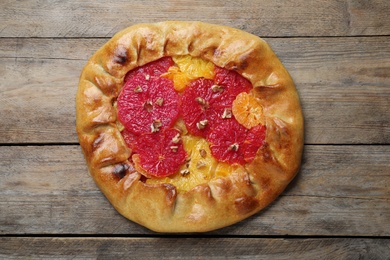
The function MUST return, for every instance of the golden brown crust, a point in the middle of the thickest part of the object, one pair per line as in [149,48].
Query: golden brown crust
[222,201]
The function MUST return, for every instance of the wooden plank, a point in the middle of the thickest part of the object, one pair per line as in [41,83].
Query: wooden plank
[261,17]
[341,81]
[194,248]
[341,190]
[343,171]
[38,100]
[343,84]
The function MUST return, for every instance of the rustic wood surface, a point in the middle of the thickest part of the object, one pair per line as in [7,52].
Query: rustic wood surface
[35,190]
[343,83]
[338,207]
[192,248]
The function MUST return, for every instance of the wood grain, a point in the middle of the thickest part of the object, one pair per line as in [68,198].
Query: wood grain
[343,84]
[261,17]
[193,248]
[337,207]
[46,189]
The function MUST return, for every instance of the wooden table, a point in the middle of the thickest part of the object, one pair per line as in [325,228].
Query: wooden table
[338,207]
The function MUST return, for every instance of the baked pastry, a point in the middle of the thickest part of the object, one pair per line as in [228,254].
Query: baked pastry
[188,126]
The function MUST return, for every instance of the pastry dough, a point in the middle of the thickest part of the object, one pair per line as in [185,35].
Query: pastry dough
[221,201]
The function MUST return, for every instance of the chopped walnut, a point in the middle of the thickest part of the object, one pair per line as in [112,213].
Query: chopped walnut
[233,147]
[203,153]
[202,124]
[201,101]
[174,148]
[159,101]
[217,88]
[200,164]
[138,89]
[227,113]
[155,126]
[176,139]
[148,106]
[184,172]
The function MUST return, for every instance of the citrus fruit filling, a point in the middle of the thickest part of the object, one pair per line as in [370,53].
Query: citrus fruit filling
[148,102]
[188,68]
[159,154]
[187,121]
[247,110]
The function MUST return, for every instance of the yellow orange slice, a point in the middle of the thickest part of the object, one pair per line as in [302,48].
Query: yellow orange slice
[199,169]
[223,169]
[187,69]
[247,110]
[181,126]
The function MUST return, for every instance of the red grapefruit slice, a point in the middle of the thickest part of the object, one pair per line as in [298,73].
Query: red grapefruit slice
[201,106]
[207,103]
[232,82]
[151,70]
[233,143]
[148,103]
[161,154]
[129,138]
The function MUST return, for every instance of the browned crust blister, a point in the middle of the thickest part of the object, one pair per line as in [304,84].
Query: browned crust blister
[222,201]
